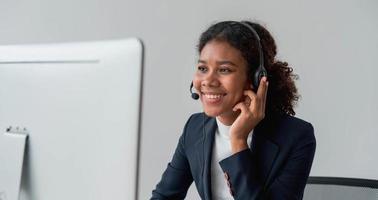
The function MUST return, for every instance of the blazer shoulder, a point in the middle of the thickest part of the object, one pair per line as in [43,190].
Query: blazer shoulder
[295,121]
[298,128]
[196,116]
[195,120]
[286,129]
[193,130]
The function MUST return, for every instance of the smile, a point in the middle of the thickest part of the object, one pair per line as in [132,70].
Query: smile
[213,97]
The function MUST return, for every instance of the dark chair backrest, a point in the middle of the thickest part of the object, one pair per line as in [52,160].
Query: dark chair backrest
[338,188]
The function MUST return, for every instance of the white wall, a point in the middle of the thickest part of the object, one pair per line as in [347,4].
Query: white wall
[332,45]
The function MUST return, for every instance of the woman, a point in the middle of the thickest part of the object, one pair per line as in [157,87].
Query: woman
[246,144]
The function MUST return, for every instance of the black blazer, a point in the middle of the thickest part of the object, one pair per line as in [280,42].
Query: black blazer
[276,167]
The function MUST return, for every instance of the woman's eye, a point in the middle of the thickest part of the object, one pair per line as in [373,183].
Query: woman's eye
[202,69]
[224,70]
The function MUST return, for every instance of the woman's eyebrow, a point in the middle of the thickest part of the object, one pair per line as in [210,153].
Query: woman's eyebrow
[226,62]
[220,62]
[202,61]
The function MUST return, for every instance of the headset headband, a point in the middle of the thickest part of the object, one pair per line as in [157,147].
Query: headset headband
[261,55]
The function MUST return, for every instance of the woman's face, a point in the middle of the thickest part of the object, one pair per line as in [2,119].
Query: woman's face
[221,78]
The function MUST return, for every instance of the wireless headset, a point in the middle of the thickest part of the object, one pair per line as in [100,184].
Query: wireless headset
[260,71]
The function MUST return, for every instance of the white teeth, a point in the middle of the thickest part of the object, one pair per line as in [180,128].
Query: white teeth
[212,96]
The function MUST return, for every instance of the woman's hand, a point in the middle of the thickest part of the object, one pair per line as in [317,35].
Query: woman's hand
[252,111]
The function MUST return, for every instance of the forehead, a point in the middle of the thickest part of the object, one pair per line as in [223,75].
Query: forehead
[221,51]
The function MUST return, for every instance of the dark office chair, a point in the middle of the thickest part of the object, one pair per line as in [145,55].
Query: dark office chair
[337,188]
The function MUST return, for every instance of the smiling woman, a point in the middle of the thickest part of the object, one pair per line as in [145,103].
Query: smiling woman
[247,144]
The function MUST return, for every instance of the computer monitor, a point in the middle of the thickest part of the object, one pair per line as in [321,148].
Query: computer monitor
[80,104]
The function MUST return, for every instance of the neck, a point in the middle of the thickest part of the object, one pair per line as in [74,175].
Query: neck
[228,118]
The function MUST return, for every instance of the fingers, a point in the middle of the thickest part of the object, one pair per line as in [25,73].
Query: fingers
[250,94]
[240,106]
[263,91]
[254,102]
[263,87]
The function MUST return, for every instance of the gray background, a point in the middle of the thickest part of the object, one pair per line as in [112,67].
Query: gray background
[332,45]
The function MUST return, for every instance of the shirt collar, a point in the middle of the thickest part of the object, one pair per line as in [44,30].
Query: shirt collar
[224,130]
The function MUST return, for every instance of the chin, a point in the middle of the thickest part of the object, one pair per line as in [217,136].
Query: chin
[211,114]
[214,112]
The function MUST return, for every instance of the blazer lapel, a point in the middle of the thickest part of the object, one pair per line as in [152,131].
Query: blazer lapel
[204,151]
[266,150]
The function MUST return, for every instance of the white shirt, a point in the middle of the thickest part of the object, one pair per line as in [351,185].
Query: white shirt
[221,150]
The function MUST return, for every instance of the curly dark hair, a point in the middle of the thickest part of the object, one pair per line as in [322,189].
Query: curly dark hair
[282,93]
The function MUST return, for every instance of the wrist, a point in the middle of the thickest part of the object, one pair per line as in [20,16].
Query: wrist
[238,145]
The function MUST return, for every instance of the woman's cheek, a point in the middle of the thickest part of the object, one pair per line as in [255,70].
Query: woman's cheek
[196,83]
[238,98]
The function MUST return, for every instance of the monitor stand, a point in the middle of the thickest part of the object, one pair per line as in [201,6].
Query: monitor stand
[12,148]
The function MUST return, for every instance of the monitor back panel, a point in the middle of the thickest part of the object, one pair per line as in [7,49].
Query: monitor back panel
[81,105]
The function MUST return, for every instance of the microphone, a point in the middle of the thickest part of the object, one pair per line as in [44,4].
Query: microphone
[195,96]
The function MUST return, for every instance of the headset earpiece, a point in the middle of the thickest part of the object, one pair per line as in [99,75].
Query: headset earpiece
[260,72]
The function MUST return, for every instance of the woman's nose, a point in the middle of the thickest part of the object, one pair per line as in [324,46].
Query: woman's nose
[210,80]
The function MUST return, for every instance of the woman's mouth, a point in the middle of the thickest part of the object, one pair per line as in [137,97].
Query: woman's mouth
[212,98]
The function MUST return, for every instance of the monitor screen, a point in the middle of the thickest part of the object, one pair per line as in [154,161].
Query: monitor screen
[80,103]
